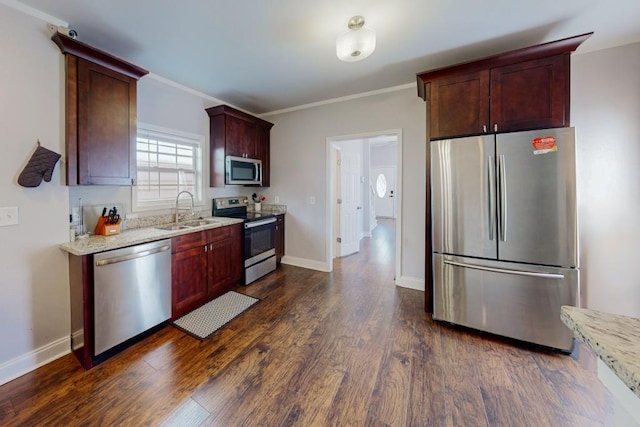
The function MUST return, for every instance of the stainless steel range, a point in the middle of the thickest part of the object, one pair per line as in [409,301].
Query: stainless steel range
[259,236]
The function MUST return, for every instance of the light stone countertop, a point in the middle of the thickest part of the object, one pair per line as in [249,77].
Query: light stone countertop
[94,244]
[614,338]
[269,208]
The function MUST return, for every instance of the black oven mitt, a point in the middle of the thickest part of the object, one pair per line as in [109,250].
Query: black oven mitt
[40,165]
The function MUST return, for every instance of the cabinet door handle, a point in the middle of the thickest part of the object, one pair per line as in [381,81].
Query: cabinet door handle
[205,248]
[484,128]
[495,127]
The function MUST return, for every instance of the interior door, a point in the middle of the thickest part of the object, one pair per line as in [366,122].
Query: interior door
[351,205]
[463,196]
[384,178]
[537,174]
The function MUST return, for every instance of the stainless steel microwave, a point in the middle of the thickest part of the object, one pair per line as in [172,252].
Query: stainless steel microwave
[243,171]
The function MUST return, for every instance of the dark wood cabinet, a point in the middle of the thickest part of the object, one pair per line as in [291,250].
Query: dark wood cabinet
[101,118]
[519,90]
[242,137]
[204,265]
[106,126]
[279,237]
[224,259]
[459,105]
[236,133]
[188,273]
[531,95]
[263,152]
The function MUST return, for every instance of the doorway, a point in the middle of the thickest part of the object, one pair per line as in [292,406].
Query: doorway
[364,176]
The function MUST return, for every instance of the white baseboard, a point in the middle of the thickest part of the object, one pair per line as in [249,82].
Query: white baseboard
[306,263]
[410,282]
[28,362]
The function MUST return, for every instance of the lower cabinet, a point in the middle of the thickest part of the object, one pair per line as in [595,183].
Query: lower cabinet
[279,237]
[204,265]
[188,280]
[224,259]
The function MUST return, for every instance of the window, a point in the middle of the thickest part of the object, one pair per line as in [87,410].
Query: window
[381,186]
[168,162]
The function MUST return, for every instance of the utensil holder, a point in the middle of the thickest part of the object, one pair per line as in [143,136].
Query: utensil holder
[257,207]
[104,229]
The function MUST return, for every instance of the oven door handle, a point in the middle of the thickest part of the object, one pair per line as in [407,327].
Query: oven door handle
[253,224]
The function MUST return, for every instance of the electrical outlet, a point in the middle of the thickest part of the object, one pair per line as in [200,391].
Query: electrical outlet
[312,200]
[8,216]
[276,200]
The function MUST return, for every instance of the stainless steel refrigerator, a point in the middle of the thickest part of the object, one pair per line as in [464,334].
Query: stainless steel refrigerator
[505,233]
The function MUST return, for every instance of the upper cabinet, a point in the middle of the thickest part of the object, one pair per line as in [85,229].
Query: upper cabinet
[235,133]
[101,115]
[518,90]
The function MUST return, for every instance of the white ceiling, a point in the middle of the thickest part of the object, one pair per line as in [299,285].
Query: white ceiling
[270,55]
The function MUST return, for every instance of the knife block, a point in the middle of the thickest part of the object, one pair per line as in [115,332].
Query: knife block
[104,229]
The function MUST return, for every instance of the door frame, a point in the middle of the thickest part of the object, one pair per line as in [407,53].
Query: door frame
[331,199]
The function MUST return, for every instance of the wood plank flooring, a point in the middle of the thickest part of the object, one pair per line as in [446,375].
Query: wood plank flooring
[347,348]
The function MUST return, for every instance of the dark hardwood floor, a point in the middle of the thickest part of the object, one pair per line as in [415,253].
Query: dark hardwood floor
[347,348]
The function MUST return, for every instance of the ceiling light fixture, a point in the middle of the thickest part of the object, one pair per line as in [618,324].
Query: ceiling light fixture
[357,43]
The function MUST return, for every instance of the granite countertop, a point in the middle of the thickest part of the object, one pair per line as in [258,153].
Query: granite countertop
[269,208]
[614,338]
[94,244]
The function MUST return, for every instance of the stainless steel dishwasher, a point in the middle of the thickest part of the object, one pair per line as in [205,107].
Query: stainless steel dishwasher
[132,292]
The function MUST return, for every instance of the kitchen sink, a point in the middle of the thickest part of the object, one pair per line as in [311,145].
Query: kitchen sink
[197,223]
[188,224]
[172,227]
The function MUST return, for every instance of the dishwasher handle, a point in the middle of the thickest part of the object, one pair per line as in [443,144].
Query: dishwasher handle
[129,257]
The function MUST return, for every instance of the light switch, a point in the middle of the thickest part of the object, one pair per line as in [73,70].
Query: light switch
[8,216]
[312,200]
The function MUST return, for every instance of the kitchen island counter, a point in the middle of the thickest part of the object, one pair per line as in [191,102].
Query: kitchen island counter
[94,244]
[615,339]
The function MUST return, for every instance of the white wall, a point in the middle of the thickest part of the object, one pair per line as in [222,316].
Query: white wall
[384,155]
[605,100]
[299,168]
[368,216]
[34,278]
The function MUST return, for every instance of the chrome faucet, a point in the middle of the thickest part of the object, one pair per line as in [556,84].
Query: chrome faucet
[177,199]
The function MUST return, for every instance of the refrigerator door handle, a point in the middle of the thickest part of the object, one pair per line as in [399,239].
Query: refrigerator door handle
[506,271]
[503,198]
[492,197]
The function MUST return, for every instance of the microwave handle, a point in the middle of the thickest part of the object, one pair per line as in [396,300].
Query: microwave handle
[257,174]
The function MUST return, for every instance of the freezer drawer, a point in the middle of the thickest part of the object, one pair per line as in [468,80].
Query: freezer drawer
[513,300]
